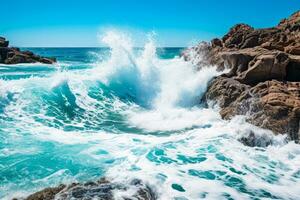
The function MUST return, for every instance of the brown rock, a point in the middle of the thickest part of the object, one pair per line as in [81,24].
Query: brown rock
[295,50]
[293,19]
[46,194]
[48,60]
[272,104]
[264,79]
[266,67]
[216,42]
[236,35]
[224,91]
[238,61]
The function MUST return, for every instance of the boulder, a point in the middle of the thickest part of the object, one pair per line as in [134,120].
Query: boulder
[101,189]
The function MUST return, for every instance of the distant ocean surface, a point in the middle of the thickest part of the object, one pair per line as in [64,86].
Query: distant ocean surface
[124,113]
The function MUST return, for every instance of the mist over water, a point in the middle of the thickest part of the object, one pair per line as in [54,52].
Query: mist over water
[126,113]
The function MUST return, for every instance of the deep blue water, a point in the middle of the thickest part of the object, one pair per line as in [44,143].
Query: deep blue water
[131,113]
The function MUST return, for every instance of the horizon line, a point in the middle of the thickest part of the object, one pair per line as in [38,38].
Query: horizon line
[93,47]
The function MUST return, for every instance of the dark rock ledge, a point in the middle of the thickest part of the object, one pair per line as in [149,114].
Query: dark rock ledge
[101,189]
[13,55]
[264,78]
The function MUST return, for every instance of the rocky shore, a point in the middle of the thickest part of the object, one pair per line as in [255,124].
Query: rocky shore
[262,83]
[13,55]
[101,189]
[264,78]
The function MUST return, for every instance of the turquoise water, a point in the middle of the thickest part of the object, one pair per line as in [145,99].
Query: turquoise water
[127,113]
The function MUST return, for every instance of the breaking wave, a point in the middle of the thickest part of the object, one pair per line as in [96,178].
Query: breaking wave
[133,114]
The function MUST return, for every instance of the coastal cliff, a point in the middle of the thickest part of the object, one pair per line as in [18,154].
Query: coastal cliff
[13,55]
[263,81]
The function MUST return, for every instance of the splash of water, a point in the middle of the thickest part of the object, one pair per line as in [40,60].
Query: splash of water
[158,83]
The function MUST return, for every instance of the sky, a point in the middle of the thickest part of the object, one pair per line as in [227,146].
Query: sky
[74,23]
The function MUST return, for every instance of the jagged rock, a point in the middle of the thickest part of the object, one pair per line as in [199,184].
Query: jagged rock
[101,189]
[236,35]
[237,61]
[264,78]
[3,42]
[251,41]
[224,91]
[271,104]
[46,194]
[292,20]
[13,55]
[216,42]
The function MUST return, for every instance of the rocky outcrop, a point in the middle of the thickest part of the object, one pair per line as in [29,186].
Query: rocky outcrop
[274,105]
[3,42]
[264,78]
[12,55]
[101,189]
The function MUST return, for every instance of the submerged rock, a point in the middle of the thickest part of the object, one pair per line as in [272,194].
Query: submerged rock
[11,55]
[264,78]
[101,189]
[253,140]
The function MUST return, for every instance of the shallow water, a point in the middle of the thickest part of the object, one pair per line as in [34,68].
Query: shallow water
[126,113]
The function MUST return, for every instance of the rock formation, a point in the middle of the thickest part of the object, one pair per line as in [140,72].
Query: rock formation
[12,55]
[264,78]
[101,189]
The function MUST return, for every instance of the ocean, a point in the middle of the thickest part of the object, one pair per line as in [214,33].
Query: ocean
[124,113]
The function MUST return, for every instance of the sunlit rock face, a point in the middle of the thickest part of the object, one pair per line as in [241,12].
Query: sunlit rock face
[264,74]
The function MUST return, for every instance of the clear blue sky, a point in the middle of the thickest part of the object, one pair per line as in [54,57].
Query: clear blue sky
[176,22]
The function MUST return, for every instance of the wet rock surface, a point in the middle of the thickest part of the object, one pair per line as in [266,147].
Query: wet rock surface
[101,189]
[13,55]
[263,81]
